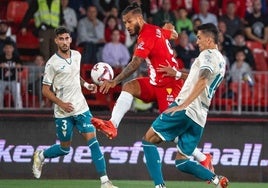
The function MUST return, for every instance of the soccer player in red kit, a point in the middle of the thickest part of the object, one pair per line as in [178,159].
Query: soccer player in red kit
[164,78]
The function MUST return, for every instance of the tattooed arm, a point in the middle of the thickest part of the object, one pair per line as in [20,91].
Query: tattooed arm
[129,69]
[126,72]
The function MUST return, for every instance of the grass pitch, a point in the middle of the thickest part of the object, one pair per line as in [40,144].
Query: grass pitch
[119,183]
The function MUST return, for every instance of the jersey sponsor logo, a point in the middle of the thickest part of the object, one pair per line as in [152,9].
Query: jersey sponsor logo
[140,46]
[169,90]
[170,97]
[158,33]
[249,154]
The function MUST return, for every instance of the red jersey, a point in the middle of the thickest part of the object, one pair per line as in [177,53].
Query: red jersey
[154,47]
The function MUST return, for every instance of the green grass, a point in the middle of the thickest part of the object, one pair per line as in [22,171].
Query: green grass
[119,183]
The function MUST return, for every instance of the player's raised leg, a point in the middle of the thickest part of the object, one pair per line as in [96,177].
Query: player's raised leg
[122,105]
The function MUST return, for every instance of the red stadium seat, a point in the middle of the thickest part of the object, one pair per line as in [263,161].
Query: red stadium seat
[260,57]
[27,44]
[249,95]
[253,45]
[16,11]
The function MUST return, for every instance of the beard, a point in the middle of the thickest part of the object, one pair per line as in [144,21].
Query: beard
[136,30]
[64,49]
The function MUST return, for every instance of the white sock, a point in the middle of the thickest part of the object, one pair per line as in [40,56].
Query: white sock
[104,179]
[215,180]
[122,105]
[198,155]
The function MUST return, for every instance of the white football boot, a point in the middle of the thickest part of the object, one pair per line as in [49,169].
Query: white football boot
[37,164]
[108,184]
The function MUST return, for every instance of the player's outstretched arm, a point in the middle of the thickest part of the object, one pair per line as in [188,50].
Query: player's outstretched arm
[169,71]
[91,87]
[132,66]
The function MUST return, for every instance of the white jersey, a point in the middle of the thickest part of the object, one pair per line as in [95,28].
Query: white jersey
[64,76]
[212,60]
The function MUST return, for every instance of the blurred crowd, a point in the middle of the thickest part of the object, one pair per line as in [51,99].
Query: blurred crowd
[99,34]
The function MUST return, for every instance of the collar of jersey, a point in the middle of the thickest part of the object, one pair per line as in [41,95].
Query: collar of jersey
[66,59]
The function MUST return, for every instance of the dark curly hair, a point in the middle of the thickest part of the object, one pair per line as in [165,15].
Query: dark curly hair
[133,7]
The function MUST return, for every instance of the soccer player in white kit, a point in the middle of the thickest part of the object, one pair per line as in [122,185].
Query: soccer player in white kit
[186,117]
[62,73]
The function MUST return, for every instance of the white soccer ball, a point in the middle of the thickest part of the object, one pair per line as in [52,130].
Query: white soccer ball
[101,71]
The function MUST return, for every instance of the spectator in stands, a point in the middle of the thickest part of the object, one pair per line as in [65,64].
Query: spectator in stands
[10,65]
[3,37]
[90,36]
[214,6]
[240,70]
[227,39]
[178,4]
[36,71]
[186,51]
[114,12]
[115,53]
[232,21]
[110,25]
[104,7]
[240,7]
[80,7]
[240,43]
[183,23]
[222,50]
[204,15]
[164,15]
[249,6]
[256,28]
[70,19]
[47,15]
[192,36]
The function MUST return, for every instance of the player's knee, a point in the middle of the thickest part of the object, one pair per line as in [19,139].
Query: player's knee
[65,150]
[182,164]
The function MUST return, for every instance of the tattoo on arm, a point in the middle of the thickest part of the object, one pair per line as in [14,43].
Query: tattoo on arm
[204,74]
[129,69]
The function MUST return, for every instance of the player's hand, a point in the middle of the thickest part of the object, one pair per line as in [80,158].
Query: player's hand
[67,107]
[107,84]
[168,26]
[92,87]
[166,70]
[174,109]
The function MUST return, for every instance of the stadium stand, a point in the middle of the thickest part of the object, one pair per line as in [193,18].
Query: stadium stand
[28,44]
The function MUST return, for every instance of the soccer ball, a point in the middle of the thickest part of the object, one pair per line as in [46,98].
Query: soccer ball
[100,72]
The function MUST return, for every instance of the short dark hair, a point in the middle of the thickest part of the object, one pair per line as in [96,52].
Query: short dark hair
[210,29]
[61,30]
[133,7]
[9,42]
[240,50]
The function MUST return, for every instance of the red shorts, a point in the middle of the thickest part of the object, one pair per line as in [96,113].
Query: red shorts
[163,95]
